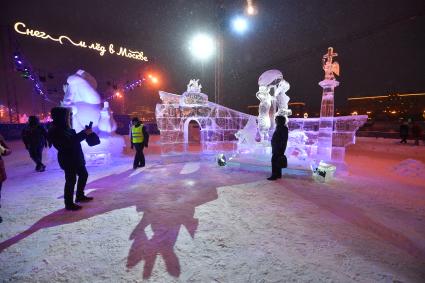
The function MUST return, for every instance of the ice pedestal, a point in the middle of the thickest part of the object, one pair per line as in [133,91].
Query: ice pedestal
[323,172]
[110,145]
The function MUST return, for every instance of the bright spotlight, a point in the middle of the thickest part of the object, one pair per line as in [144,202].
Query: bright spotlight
[202,46]
[240,24]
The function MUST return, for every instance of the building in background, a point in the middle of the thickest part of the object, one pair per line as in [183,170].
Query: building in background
[144,113]
[389,107]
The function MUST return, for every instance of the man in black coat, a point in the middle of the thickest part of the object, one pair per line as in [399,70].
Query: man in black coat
[404,132]
[279,142]
[34,137]
[70,155]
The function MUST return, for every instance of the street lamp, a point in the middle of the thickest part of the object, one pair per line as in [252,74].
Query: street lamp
[202,46]
[240,24]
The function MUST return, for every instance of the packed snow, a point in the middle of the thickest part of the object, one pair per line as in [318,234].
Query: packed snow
[195,221]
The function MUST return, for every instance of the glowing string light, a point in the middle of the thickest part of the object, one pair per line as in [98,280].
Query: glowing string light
[122,51]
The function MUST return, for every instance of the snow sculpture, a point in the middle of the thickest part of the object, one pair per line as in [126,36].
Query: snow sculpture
[106,122]
[218,125]
[82,97]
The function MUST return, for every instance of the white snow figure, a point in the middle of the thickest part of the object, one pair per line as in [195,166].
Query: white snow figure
[264,122]
[106,122]
[81,95]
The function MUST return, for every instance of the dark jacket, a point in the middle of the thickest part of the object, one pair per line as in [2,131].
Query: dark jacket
[279,140]
[66,140]
[34,135]
[416,130]
[4,145]
[404,130]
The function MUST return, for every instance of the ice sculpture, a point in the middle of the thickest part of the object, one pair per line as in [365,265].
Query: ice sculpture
[107,122]
[311,140]
[324,150]
[218,124]
[264,122]
[82,97]
[271,81]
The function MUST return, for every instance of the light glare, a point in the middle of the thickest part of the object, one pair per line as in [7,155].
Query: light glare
[240,24]
[202,46]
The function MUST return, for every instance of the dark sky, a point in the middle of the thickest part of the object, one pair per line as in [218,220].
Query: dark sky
[381,45]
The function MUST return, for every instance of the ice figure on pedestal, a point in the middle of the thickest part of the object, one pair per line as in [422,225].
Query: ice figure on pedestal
[82,97]
[264,122]
[324,149]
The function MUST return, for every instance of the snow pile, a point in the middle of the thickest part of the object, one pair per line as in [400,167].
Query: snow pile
[410,168]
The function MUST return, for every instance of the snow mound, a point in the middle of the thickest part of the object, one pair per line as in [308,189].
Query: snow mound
[410,168]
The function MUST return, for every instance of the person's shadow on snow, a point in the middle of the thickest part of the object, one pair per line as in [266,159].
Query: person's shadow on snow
[166,209]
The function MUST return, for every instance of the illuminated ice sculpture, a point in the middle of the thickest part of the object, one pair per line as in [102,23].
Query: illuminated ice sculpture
[218,125]
[82,97]
[311,140]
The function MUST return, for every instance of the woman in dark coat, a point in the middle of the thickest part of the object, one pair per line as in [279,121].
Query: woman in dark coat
[70,155]
[279,142]
[4,150]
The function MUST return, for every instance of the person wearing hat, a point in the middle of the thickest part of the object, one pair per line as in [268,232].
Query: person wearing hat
[70,155]
[34,137]
[139,139]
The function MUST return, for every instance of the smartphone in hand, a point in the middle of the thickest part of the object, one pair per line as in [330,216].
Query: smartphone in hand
[90,125]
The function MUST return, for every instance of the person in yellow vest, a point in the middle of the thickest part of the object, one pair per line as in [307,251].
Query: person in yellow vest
[139,140]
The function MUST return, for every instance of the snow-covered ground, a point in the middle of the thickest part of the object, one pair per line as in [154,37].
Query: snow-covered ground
[197,222]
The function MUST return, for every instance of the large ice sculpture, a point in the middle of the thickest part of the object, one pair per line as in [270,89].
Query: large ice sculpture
[310,139]
[82,97]
[218,125]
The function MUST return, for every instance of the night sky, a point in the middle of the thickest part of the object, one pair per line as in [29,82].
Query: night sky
[381,46]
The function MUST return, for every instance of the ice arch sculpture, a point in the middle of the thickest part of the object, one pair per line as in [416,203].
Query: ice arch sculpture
[218,124]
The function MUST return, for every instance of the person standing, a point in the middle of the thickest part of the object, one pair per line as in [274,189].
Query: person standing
[70,155]
[34,137]
[279,142]
[4,150]
[139,139]
[416,132]
[404,132]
